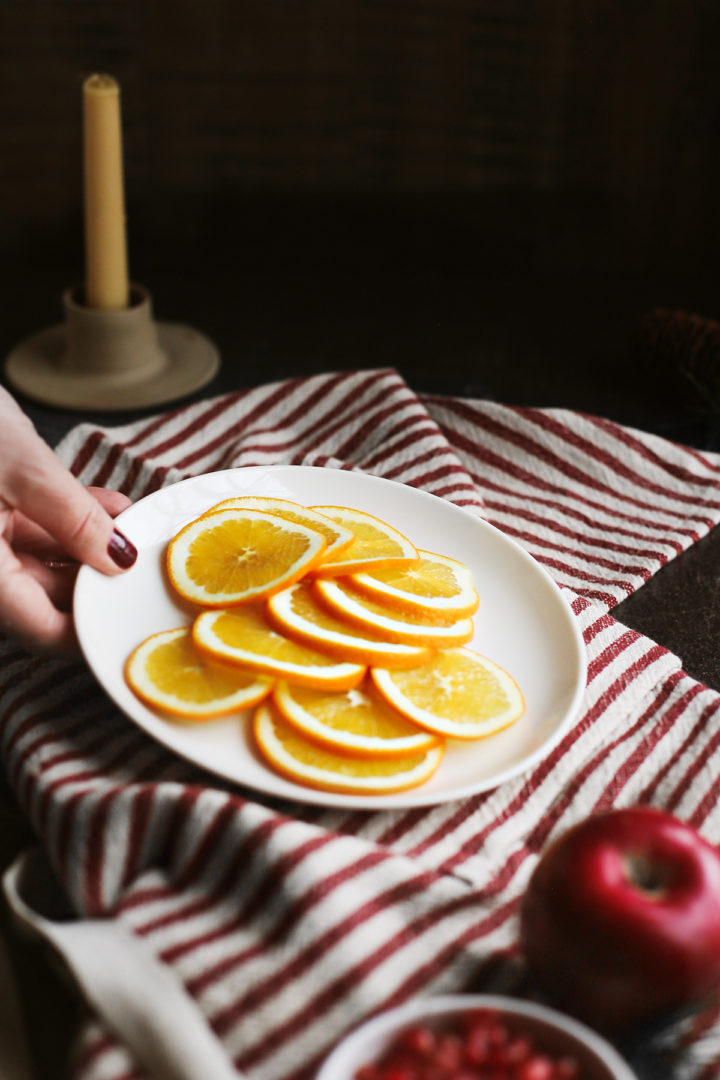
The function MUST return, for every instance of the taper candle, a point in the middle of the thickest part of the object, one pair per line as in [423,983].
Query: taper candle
[106,274]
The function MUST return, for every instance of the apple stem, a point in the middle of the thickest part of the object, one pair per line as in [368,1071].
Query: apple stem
[648,877]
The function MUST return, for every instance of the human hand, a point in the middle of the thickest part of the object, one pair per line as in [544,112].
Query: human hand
[49,524]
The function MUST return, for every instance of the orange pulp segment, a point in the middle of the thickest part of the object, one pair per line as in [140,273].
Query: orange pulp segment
[297,613]
[460,694]
[300,759]
[357,721]
[375,543]
[337,536]
[167,672]
[239,556]
[435,585]
[392,624]
[243,636]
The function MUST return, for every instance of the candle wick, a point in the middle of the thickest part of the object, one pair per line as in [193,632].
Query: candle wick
[100,83]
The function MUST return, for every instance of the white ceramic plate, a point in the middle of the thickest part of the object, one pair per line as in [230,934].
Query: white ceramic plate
[524,624]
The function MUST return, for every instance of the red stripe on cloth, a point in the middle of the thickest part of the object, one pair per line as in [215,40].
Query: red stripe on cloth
[402,826]
[648,793]
[413,430]
[236,857]
[430,478]
[540,773]
[363,432]
[538,451]
[314,1008]
[282,446]
[487,456]
[549,423]
[156,479]
[534,518]
[711,1071]
[303,960]
[650,454]
[123,744]
[24,776]
[289,915]
[702,1022]
[657,733]
[435,965]
[64,811]
[220,407]
[546,825]
[598,663]
[708,802]
[583,576]
[243,425]
[700,762]
[583,556]
[86,452]
[141,816]
[95,852]
[35,691]
[565,510]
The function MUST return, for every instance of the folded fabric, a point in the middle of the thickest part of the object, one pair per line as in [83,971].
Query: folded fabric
[290,924]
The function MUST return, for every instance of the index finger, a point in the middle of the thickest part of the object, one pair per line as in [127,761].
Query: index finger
[34,482]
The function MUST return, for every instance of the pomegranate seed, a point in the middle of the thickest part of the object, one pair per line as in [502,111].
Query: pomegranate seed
[567,1068]
[399,1072]
[432,1072]
[518,1050]
[498,1034]
[367,1072]
[448,1053]
[537,1068]
[419,1041]
[477,1046]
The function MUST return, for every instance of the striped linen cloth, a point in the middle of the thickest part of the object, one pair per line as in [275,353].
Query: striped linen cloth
[289,924]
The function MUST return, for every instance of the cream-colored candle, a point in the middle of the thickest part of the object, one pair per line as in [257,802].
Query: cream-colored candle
[106,274]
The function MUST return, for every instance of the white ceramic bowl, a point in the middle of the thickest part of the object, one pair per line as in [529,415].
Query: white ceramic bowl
[553,1032]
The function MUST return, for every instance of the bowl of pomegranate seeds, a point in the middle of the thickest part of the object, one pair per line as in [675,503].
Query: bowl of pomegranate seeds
[474,1037]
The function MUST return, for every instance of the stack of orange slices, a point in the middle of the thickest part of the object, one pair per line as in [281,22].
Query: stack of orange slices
[349,642]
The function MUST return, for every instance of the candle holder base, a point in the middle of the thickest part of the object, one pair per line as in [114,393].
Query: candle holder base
[111,360]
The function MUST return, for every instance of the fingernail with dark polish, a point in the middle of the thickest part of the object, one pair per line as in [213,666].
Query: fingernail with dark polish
[121,550]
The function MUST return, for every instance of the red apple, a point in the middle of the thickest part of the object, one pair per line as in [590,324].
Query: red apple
[621,919]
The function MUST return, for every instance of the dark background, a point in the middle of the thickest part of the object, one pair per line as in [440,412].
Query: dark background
[490,195]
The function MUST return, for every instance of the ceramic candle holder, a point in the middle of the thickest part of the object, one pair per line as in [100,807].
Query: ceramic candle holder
[111,359]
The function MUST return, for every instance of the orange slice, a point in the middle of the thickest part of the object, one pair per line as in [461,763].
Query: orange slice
[296,612]
[243,636]
[459,694]
[302,760]
[435,585]
[238,556]
[392,624]
[357,721]
[337,536]
[167,672]
[375,543]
